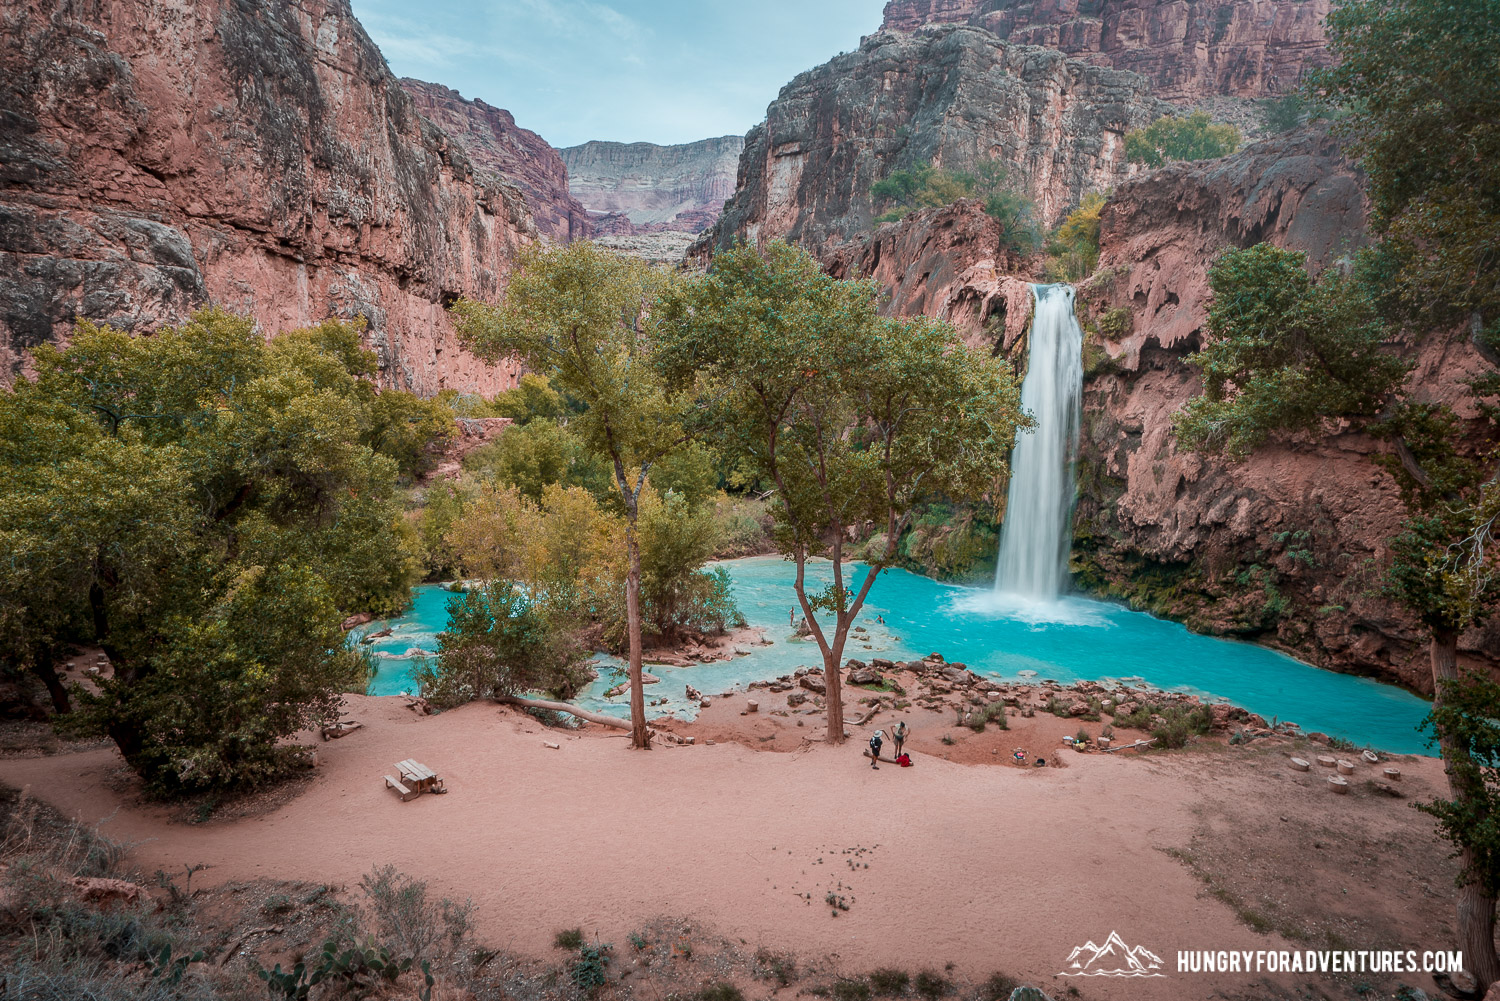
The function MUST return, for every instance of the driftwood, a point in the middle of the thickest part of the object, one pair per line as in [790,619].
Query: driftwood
[563,707]
[889,761]
[1127,747]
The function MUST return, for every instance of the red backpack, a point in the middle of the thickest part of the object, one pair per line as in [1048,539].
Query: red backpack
[905,760]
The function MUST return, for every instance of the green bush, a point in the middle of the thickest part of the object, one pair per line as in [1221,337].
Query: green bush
[1170,138]
[1115,323]
[588,972]
[926,186]
[851,990]
[992,713]
[889,982]
[569,939]
[998,987]
[931,985]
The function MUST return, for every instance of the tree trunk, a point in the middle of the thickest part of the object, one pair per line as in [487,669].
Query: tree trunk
[834,685]
[1476,905]
[639,736]
[563,707]
[46,670]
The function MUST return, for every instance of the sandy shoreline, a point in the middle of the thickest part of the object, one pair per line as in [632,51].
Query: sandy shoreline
[990,868]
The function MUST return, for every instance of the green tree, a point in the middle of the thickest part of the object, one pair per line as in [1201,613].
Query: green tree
[854,418]
[205,506]
[1171,138]
[539,453]
[583,317]
[500,642]
[1414,82]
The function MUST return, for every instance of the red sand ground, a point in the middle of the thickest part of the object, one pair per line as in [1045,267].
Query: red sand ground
[991,868]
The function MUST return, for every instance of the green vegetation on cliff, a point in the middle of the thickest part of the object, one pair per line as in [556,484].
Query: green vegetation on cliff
[1287,352]
[926,186]
[1171,138]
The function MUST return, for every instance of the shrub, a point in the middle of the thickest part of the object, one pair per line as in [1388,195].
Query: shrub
[888,982]
[720,992]
[1115,323]
[992,713]
[925,186]
[1284,113]
[931,985]
[778,967]
[851,990]
[998,987]
[405,919]
[588,972]
[1170,138]
[569,939]
[1073,251]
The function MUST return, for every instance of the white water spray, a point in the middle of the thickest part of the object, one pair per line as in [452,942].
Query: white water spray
[1037,532]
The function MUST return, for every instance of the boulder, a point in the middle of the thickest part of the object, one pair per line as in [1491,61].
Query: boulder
[813,684]
[863,676]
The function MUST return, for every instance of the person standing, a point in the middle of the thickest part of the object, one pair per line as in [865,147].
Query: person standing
[898,737]
[875,742]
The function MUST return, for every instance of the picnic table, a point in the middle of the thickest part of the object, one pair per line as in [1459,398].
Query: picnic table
[415,779]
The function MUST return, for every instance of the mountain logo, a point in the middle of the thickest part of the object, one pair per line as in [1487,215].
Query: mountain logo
[1112,959]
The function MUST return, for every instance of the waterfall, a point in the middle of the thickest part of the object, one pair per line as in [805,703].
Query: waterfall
[1037,533]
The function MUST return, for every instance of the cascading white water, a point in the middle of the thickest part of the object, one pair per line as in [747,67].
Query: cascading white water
[1035,537]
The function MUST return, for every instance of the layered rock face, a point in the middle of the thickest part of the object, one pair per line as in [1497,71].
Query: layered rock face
[1286,546]
[498,146]
[950,95]
[155,156]
[1246,48]
[644,188]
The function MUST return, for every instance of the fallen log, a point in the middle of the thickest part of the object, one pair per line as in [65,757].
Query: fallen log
[563,707]
[889,761]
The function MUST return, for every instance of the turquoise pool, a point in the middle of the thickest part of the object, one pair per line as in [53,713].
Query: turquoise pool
[1073,639]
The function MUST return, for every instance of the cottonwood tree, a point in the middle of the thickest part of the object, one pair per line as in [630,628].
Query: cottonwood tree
[1415,83]
[206,507]
[582,317]
[855,418]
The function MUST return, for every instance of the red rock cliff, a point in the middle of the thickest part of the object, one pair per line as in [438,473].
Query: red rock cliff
[949,95]
[500,147]
[1246,48]
[1286,546]
[158,155]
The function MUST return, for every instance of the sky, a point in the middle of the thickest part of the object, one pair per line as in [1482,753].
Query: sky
[662,71]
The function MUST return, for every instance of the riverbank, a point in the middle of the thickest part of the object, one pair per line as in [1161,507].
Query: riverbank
[990,868]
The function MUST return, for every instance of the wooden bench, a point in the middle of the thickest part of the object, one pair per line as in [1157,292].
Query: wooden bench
[401,790]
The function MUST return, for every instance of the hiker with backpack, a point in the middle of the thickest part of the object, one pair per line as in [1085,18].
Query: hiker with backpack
[875,743]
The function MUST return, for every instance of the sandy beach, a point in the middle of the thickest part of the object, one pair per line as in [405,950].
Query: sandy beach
[983,866]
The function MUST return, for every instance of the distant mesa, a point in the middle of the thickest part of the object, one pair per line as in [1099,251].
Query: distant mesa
[631,189]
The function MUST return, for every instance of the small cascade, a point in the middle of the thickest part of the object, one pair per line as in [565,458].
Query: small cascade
[1038,529]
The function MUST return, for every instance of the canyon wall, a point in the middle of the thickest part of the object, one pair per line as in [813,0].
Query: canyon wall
[646,188]
[950,95]
[156,155]
[1285,547]
[499,147]
[1246,48]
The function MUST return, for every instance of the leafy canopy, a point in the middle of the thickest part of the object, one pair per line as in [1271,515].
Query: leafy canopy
[926,186]
[1170,138]
[206,506]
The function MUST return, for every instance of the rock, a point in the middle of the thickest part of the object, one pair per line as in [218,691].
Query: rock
[855,665]
[864,676]
[1318,738]
[703,703]
[806,171]
[796,698]
[105,893]
[260,157]
[1249,48]
[1078,709]
[357,619]
[499,147]
[640,188]
[813,684]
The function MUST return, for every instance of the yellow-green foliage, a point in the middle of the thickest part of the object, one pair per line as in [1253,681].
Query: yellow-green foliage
[1073,252]
[1192,138]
